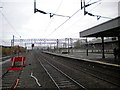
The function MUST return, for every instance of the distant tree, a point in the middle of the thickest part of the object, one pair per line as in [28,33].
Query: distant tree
[5,51]
[14,50]
[77,44]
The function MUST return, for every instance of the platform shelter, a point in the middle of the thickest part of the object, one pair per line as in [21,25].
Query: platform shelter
[110,28]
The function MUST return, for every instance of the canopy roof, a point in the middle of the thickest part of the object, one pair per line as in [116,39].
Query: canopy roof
[108,29]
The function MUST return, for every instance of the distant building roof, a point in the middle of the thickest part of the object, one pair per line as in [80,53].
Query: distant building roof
[110,40]
[6,46]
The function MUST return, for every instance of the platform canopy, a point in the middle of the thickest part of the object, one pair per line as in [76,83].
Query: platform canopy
[108,29]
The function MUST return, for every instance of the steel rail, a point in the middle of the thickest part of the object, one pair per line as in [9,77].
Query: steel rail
[67,76]
[98,77]
[49,74]
[16,82]
[85,70]
[80,85]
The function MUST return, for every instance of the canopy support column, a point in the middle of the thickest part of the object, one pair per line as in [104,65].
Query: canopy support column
[103,53]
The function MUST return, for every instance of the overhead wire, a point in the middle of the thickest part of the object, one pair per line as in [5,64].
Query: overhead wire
[9,23]
[65,21]
[90,14]
[81,19]
[17,37]
[89,11]
[59,6]
[5,42]
[98,16]
[83,16]
[44,12]
[55,12]
[89,1]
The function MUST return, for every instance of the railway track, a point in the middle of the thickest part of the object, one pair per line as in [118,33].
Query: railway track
[61,79]
[10,79]
[60,75]
[112,79]
[100,75]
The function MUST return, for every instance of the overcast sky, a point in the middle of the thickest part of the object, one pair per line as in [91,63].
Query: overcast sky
[17,18]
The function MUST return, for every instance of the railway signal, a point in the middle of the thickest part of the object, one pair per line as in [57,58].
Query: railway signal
[32,46]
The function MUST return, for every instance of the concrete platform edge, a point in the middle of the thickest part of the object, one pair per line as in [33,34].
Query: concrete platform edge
[88,60]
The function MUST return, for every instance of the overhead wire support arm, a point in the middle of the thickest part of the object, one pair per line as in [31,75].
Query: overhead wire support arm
[64,22]
[92,3]
[36,10]
[87,4]
[43,12]
[51,14]
[83,5]
[98,16]
[90,14]
[67,19]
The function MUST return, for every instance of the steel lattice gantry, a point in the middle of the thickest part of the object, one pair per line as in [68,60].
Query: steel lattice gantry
[67,42]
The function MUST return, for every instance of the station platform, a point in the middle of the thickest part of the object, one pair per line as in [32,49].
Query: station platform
[92,57]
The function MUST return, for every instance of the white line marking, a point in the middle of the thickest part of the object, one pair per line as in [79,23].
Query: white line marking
[35,79]
[3,62]
[100,62]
